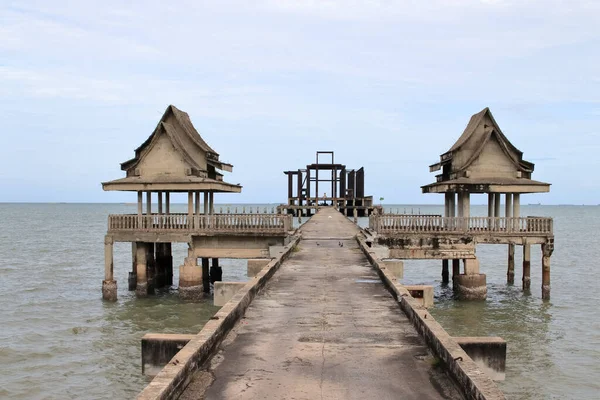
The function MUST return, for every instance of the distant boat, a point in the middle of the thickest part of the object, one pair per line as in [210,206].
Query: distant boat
[534,204]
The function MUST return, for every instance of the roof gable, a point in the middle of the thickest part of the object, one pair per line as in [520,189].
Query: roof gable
[185,139]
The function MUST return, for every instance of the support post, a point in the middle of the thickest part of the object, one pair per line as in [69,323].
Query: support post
[216,272]
[546,253]
[490,205]
[510,274]
[497,205]
[141,289]
[151,267]
[445,272]
[109,285]
[206,205]
[197,210]
[132,281]
[212,202]
[526,266]
[455,268]
[471,285]
[140,199]
[205,275]
[167,202]
[508,211]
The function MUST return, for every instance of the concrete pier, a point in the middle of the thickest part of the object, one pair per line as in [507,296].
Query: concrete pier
[190,280]
[141,288]
[109,285]
[526,266]
[510,273]
[325,327]
[471,285]
[445,272]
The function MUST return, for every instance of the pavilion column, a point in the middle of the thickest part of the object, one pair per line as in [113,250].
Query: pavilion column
[491,205]
[141,289]
[149,202]
[109,285]
[190,208]
[160,202]
[526,266]
[546,253]
[206,205]
[190,278]
[167,202]
[452,205]
[140,210]
[132,281]
[197,211]
[516,213]
[212,202]
[497,200]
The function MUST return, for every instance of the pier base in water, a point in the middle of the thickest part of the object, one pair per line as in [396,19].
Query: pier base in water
[109,290]
[190,280]
[470,287]
[445,272]
[510,273]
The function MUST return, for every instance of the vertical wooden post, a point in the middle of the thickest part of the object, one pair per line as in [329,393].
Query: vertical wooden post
[526,266]
[510,274]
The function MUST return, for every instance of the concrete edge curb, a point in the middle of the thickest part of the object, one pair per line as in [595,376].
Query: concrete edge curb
[176,375]
[472,381]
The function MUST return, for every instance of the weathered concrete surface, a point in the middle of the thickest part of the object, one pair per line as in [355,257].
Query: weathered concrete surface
[423,294]
[489,353]
[324,327]
[224,291]
[159,348]
[256,265]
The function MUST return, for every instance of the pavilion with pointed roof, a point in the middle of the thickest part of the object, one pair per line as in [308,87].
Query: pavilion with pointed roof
[174,158]
[483,160]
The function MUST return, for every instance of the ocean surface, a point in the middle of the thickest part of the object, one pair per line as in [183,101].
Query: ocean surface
[59,340]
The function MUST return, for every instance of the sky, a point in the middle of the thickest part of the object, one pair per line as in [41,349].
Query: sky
[388,85]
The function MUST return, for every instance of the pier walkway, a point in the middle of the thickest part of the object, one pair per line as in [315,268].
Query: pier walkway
[324,327]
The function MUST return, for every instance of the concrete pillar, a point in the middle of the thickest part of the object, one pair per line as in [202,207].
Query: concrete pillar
[168,264]
[212,203]
[197,210]
[546,253]
[161,266]
[190,279]
[167,203]
[510,274]
[190,206]
[140,210]
[132,281]
[460,207]
[109,285]
[516,205]
[452,205]
[141,289]
[447,204]
[206,203]
[445,272]
[455,268]
[149,202]
[216,272]
[150,267]
[526,266]
[508,205]
[497,200]
[466,204]
[491,205]
[205,275]
[160,202]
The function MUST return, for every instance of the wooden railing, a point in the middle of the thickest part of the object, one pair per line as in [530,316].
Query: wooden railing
[217,223]
[391,223]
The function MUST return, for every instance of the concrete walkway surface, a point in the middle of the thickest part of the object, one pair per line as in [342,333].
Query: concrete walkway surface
[324,327]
